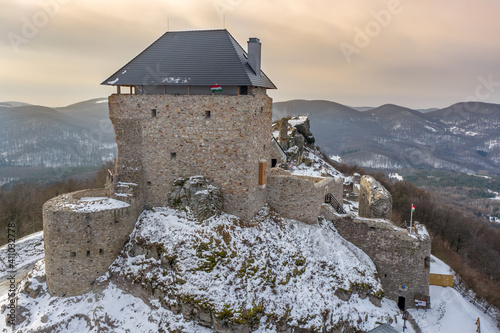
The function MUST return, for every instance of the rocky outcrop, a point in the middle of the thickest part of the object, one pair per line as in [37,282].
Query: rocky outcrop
[198,195]
[374,199]
[302,125]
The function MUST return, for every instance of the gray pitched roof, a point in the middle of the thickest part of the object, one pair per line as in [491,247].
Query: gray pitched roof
[384,328]
[201,57]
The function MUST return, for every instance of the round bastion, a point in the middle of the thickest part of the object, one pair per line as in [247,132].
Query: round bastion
[84,232]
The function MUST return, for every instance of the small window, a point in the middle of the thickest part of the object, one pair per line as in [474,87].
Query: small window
[101,251]
[207,114]
[153,112]
[427,262]
[244,90]
[73,254]
[274,161]
[148,183]
[173,156]
[88,253]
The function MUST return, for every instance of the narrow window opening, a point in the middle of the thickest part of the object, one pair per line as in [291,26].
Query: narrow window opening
[274,161]
[88,253]
[101,251]
[153,112]
[401,303]
[427,262]
[73,254]
[385,275]
[148,183]
[173,156]
[207,114]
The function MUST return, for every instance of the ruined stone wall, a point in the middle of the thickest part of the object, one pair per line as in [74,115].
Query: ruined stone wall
[296,197]
[220,137]
[337,189]
[375,201]
[80,246]
[400,258]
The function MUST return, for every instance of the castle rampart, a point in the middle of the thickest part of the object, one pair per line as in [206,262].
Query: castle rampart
[401,258]
[297,197]
[83,233]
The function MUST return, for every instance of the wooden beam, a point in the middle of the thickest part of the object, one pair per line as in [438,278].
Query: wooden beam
[118,90]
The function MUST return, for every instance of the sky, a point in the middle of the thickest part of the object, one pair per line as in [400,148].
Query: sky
[415,53]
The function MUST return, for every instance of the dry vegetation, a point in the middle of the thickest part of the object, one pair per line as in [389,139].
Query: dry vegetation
[22,204]
[468,243]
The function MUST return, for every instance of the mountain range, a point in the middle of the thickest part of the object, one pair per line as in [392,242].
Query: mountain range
[75,135]
[464,137]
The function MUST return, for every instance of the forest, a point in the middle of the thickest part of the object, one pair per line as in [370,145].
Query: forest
[468,243]
[21,204]
[465,241]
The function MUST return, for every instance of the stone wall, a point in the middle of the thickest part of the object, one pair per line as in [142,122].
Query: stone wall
[296,197]
[400,258]
[161,138]
[80,245]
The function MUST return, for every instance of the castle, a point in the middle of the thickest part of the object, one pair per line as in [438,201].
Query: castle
[193,103]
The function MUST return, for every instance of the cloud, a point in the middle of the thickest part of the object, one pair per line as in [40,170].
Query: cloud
[427,54]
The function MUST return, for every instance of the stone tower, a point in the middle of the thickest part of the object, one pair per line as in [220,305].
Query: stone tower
[197,105]
[192,103]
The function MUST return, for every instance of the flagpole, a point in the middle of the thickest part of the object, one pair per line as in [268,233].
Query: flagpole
[411,218]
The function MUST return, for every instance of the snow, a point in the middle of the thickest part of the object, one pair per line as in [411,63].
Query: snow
[96,204]
[102,101]
[28,250]
[451,313]
[439,267]
[336,158]
[396,175]
[112,310]
[318,167]
[114,81]
[297,120]
[285,265]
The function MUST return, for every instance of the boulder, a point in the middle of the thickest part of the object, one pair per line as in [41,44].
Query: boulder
[197,195]
[302,125]
[374,199]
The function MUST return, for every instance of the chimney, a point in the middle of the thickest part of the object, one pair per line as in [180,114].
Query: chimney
[254,51]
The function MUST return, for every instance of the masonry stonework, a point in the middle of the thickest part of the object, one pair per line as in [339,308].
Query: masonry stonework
[400,258]
[296,197]
[80,246]
[220,137]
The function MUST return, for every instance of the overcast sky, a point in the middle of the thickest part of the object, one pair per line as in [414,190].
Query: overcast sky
[415,53]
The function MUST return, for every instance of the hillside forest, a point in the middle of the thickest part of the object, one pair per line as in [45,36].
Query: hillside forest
[465,241]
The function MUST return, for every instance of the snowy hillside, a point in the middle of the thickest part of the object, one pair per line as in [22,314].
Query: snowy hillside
[115,310]
[75,135]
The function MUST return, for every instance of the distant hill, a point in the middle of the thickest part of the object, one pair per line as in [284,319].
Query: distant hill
[76,135]
[460,137]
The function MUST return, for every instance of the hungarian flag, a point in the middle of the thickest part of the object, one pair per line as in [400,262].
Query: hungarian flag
[412,208]
[216,87]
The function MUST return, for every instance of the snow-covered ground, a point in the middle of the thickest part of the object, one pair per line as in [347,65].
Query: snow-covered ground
[117,311]
[396,176]
[288,268]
